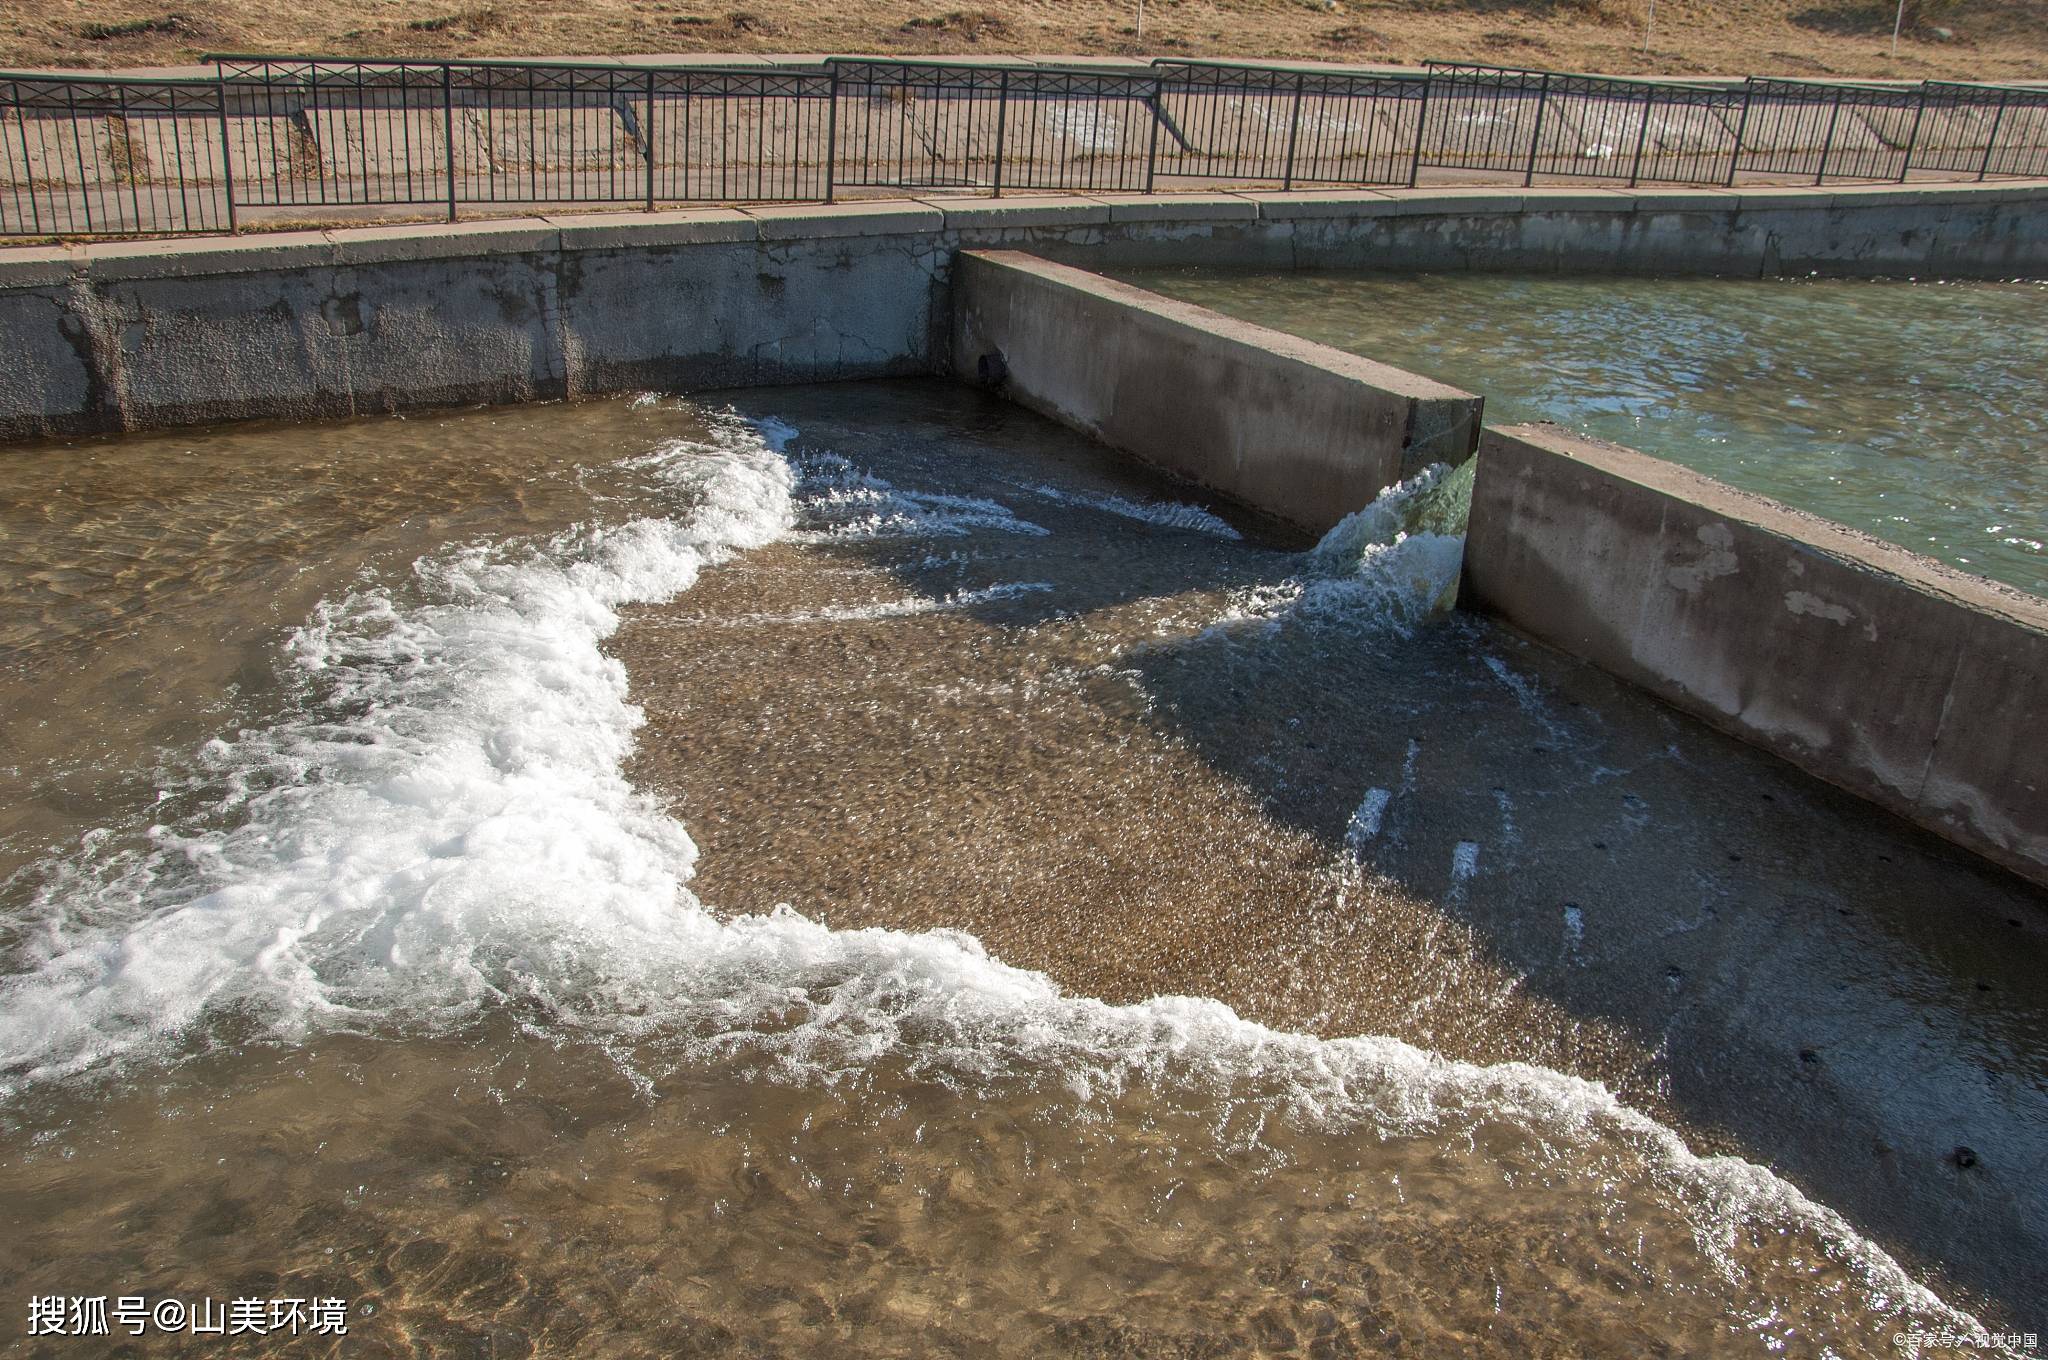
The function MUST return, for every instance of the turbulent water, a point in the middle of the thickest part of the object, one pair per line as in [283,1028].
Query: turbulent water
[344,959]
[1911,411]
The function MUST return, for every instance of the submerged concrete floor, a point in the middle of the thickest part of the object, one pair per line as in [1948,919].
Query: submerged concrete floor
[1096,783]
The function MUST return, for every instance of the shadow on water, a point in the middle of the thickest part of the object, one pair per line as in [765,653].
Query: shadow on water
[1000,700]
[1810,983]
[1845,999]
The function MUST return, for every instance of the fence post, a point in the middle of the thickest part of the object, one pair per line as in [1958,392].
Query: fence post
[1991,142]
[78,145]
[1913,138]
[35,207]
[448,130]
[1002,119]
[1635,173]
[1293,133]
[832,134]
[1152,146]
[647,140]
[1741,131]
[1421,127]
[1536,136]
[309,108]
[1827,145]
[128,155]
[227,154]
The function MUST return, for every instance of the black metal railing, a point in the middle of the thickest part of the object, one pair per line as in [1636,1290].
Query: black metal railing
[1984,130]
[84,155]
[924,125]
[306,133]
[1079,131]
[1231,121]
[1823,130]
[309,137]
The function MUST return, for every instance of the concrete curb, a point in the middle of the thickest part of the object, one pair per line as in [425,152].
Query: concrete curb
[196,257]
[798,222]
[986,214]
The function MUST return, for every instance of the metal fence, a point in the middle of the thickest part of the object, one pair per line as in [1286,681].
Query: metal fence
[85,155]
[310,137]
[1231,122]
[1530,123]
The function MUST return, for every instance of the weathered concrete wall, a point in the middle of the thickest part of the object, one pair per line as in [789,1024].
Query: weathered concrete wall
[344,322]
[128,335]
[1998,231]
[1293,428]
[1892,676]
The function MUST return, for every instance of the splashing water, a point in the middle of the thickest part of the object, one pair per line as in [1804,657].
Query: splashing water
[443,823]
[1169,514]
[439,831]
[1394,563]
[845,502]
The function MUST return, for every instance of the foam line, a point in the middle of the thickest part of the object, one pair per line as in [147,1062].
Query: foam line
[1165,514]
[443,826]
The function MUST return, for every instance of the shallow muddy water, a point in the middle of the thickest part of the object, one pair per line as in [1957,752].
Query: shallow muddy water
[358,945]
[1911,411]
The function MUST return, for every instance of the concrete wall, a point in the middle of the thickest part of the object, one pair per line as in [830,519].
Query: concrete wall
[1296,429]
[1892,676]
[344,322]
[129,335]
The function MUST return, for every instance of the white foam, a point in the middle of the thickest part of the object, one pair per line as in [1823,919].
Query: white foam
[1393,564]
[1365,821]
[1510,836]
[1436,500]
[1529,700]
[1464,866]
[909,607]
[445,821]
[1166,514]
[445,827]
[841,501]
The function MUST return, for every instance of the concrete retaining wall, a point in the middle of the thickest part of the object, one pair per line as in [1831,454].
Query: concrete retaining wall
[1293,428]
[346,322]
[1892,676]
[129,335]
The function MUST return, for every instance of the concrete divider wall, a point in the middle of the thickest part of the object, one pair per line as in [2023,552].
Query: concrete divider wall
[1889,675]
[129,335]
[1293,428]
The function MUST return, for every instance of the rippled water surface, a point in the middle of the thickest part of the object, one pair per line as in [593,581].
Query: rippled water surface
[1912,411]
[346,957]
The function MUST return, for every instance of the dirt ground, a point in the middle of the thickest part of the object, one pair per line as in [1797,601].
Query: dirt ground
[1965,39]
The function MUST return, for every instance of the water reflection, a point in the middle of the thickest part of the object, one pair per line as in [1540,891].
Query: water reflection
[1912,411]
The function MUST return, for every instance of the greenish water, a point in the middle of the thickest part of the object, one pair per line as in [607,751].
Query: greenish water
[1912,411]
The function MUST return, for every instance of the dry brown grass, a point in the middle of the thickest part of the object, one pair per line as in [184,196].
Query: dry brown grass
[975,25]
[1990,38]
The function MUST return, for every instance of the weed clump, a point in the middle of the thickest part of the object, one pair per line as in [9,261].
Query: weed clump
[971,24]
[135,28]
[470,21]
